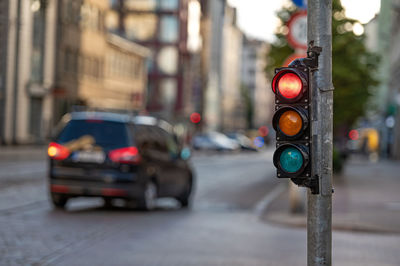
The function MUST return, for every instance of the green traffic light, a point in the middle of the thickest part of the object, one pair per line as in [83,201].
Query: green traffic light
[291,160]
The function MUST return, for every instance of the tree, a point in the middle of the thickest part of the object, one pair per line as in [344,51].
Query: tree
[353,67]
[248,105]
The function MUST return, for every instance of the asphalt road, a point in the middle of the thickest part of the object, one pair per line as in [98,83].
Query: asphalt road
[223,227]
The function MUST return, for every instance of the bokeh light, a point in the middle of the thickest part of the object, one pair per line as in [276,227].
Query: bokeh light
[263,131]
[258,142]
[195,118]
[353,134]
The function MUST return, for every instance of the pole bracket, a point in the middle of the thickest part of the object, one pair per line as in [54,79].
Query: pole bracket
[311,61]
[311,182]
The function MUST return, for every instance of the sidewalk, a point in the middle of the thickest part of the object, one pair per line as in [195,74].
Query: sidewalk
[22,163]
[15,153]
[366,198]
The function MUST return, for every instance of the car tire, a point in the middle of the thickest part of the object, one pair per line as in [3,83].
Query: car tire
[59,201]
[149,198]
[184,198]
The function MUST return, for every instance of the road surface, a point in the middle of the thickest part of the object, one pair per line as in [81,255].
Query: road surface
[223,227]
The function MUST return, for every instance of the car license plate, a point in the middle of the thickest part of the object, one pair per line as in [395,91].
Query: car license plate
[89,157]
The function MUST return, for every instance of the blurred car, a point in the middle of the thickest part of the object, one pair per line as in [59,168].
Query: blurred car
[244,142]
[100,154]
[214,141]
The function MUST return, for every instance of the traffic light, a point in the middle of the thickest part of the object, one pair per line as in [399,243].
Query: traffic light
[292,124]
[195,118]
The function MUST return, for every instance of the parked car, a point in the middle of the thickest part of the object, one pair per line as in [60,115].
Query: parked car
[214,141]
[244,142]
[100,154]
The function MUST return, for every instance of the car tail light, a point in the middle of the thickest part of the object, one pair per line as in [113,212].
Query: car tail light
[57,151]
[125,155]
[59,189]
[113,192]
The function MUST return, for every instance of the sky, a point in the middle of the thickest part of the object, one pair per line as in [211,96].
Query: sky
[257,17]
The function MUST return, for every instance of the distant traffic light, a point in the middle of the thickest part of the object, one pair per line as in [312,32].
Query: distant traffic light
[291,122]
[195,118]
[263,131]
[353,134]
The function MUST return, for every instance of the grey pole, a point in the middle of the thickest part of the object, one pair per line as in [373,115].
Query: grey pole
[319,211]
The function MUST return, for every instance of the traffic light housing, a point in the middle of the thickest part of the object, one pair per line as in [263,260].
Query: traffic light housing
[292,123]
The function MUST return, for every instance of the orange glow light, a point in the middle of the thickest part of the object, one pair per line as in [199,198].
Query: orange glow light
[290,123]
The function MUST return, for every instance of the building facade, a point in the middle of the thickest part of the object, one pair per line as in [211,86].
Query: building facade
[212,25]
[96,68]
[57,53]
[163,27]
[394,82]
[255,81]
[27,31]
[223,108]
[383,37]
[233,106]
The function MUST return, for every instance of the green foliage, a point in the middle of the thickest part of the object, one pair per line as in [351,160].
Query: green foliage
[338,161]
[353,67]
[248,104]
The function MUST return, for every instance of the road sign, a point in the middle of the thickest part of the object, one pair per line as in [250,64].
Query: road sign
[300,3]
[297,36]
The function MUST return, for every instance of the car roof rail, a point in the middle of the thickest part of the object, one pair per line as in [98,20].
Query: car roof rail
[83,108]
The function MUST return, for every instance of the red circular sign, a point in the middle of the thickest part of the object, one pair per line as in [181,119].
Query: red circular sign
[293,57]
[297,36]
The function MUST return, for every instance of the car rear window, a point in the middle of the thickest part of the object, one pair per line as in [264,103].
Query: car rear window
[106,134]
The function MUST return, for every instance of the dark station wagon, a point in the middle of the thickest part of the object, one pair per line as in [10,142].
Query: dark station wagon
[109,155]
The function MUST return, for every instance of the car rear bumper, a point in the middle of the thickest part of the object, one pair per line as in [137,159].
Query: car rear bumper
[77,188]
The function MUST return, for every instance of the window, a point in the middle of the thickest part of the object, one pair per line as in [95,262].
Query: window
[169,29]
[37,42]
[141,27]
[91,17]
[141,5]
[168,91]
[72,12]
[105,133]
[169,4]
[167,60]
[71,61]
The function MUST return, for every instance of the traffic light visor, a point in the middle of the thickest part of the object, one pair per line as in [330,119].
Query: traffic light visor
[291,160]
[290,123]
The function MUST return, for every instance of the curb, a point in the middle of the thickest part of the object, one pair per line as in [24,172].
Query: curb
[277,213]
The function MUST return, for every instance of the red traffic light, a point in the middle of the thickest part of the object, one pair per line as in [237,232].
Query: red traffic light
[195,118]
[353,134]
[263,131]
[288,84]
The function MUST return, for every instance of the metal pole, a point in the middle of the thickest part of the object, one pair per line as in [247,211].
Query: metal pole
[319,211]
